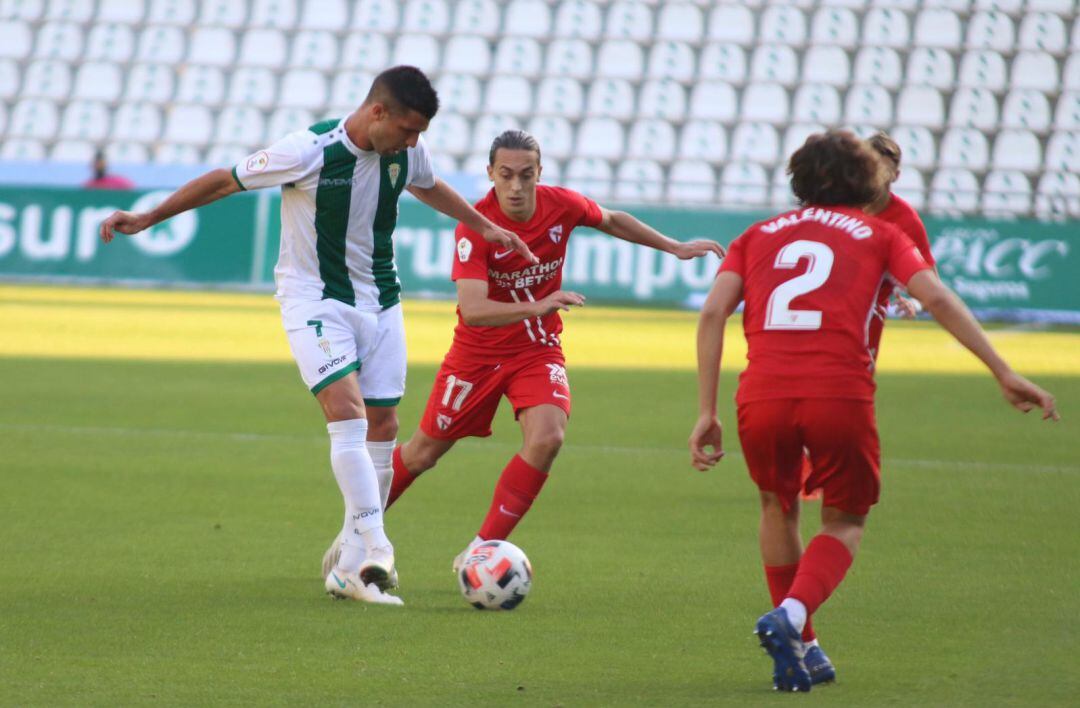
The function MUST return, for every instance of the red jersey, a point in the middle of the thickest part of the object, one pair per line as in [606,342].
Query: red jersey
[511,278]
[904,217]
[810,282]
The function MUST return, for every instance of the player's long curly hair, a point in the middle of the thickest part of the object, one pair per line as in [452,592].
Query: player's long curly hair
[834,168]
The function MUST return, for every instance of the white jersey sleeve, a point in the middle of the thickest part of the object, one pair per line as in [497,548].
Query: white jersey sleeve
[288,160]
[421,172]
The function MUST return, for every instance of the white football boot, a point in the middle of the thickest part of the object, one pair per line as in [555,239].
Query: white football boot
[349,586]
[333,553]
[378,568]
[460,559]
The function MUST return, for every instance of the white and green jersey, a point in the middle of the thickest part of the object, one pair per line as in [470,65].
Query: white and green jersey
[338,212]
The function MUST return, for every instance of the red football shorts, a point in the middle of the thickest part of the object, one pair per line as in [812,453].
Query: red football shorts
[840,436]
[466,393]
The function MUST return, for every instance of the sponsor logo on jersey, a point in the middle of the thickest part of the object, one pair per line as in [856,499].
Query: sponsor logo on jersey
[258,162]
[557,375]
[527,277]
[555,233]
[502,254]
[464,249]
[331,364]
[393,171]
[443,421]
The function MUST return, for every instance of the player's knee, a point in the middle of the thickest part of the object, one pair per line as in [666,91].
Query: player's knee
[383,426]
[547,443]
[341,408]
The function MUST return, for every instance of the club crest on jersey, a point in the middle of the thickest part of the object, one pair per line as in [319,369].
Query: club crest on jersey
[464,249]
[443,421]
[258,162]
[394,171]
[324,344]
[557,375]
[555,233]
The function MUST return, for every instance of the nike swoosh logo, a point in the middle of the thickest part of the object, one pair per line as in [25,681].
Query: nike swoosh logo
[506,511]
[339,581]
[556,394]
[502,254]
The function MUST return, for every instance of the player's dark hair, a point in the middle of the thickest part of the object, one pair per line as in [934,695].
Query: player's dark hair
[884,145]
[834,168]
[513,140]
[405,87]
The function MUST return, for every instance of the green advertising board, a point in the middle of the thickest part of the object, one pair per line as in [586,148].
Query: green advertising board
[1022,269]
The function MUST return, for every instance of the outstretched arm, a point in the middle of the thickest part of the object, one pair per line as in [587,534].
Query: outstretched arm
[442,197]
[200,191]
[954,316]
[628,228]
[478,310]
[721,302]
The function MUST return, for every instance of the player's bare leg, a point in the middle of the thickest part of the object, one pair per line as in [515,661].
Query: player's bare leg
[544,429]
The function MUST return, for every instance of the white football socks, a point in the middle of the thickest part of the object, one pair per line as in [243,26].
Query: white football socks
[382,455]
[359,484]
[796,613]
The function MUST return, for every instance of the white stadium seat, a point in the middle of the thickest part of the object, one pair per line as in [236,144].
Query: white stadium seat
[33,118]
[1070,75]
[287,120]
[931,67]
[826,65]
[303,88]
[464,55]
[350,88]
[85,120]
[816,103]
[783,199]
[911,186]
[974,108]
[1060,7]
[723,62]
[835,26]
[662,99]
[448,135]
[240,125]
[652,139]
[703,140]
[620,59]
[487,127]
[511,95]
[109,42]
[964,147]
[560,97]
[419,50]
[885,27]
[188,125]
[1067,115]
[126,153]
[176,154]
[766,103]
[983,69]
[71,10]
[528,18]
[755,142]
[222,13]
[690,181]
[629,20]
[639,181]
[878,66]
[590,176]
[476,17]
[713,100]
[1026,108]
[253,86]
[954,191]
[314,49]
[868,105]
[920,105]
[1009,7]
[10,75]
[263,47]
[569,57]
[279,14]
[782,24]
[371,52]
[426,17]
[1058,195]
[59,40]
[555,135]
[917,145]
[1006,193]
[794,137]
[1035,70]
[213,46]
[1074,42]
[991,30]
[938,27]
[1063,151]
[744,184]
[459,93]
[15,39]
[136,122]
[1043,31]
[171,12]
[731,23]
[380,16]
[775,63]
[1017,150]
[47,79]
[611,98]
[23,150]
[600,137]
[518,56]
[122,11]
[72,151]
[225,155]
[30,10]
[680,22]
[579,18]
[671,60]
[153,83]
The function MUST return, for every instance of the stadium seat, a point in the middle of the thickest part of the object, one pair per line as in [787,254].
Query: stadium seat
[620,59]
[774,63]
[85,120]
[1070,75]
[1063,151]
[723,62]
[122,11]
[30,10]
[835,26]
[263,47]
[680,22]
[920,105]
[253,86]
[380,16]
[629,20]
[611,98]
[691,181]
[459,93]
[569,57]
[369,51]
[9,80]
[314,49]
[153,83]
[662,99]
[560,97]
[476,17]
[869,105]
[713,100]
[279,14]
[176,154]
[885,27]
[878,66]
[590,176]
[240,125]
[511,95]
[731,23]
[47,79]
[1058,195]
[1026,108]
[1035,70]
[1074,42]
[126,153]
[1006,193]
[794,137]
[171,12]
[1060,7]
[1009,7]
[767,103]
[929,66]
[954,191]
[579,18]
[108,42]
[703,140]
[826,65]
[555,135]
[911,187]
[974,108]
[1043,31]
[639,181]
[755,142]
[600,137]
[33,118]
[671,60]
[487,127]
[448,135]
[136,122]
[1017,150]
[991,30]
[983,69]
[349,89]
[938,27]
[782,198]
[287,120]
[23,150]
[188,125]
[464,55]
[816,103]
[964,147]
[441,163]
[419,50]
[651,139]
[70,10]
[15,39]
[303,88]
[744,184]
[213,46]
[224,13]
[518,56]
[784,25]
[426,17]
[226,155]
[59,40]
[527,18]
[78,151]
[1067,115]
[917,145]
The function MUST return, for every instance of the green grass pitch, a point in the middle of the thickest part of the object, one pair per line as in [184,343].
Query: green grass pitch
[162,526]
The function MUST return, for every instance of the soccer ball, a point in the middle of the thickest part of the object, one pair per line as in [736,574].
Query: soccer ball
[495,576]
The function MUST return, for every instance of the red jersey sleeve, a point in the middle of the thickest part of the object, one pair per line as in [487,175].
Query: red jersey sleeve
[735,260]
[904,258]
[588,211]
[921,238]
[471,257]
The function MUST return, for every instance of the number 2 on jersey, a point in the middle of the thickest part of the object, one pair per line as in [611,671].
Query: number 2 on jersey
[779,314]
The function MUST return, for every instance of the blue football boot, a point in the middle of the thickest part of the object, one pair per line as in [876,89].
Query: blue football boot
[784,644]
[818,664]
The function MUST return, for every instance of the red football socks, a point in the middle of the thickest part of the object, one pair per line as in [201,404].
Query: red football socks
[821,569]
[402,478]
[780,578]
[518,486]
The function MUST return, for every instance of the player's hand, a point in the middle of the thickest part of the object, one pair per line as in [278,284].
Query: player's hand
[697,249]
[509,239]
[907,307]
[707,433]
[559,300]
[1025,396]
[126,222]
